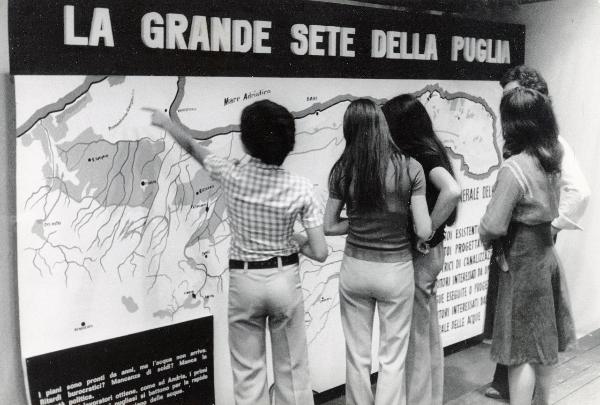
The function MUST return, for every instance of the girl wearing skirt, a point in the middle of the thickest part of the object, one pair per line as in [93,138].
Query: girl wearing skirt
[532,320]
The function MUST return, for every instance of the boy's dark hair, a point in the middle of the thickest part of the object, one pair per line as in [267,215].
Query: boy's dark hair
[268,131]
[526,77]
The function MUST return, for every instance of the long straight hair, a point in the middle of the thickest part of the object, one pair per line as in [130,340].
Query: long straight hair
[361,171]
[412,130]
[529,125]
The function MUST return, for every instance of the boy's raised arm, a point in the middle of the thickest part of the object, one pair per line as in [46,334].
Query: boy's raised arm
[180,134]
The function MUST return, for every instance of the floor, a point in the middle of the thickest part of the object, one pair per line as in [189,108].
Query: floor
[468,372]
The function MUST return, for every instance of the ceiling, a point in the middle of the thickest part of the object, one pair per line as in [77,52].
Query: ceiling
[453,6]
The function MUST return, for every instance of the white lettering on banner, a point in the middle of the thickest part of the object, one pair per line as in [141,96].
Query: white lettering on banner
[177,24]
[175,31]
[101,28]
[207,34]
[241,38]
[308,40]
[394,45]
[480,50]
[220,34]
[216,34]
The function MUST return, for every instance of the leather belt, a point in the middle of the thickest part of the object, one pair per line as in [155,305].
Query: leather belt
[265,264]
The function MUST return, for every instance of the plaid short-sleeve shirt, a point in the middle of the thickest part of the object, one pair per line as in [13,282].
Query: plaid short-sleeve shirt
[263,202]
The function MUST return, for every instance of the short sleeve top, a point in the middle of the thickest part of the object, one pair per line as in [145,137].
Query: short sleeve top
[383,235]
[263,201]
[430,161]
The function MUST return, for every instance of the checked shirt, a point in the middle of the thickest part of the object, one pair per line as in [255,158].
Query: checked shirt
[263,202]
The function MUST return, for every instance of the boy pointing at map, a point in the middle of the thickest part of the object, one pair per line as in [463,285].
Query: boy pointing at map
[263,202]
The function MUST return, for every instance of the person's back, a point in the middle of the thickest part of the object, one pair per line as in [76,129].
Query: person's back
[411,129]
[539,203]
[538,196]
[263,202]
[371,179]
[384,234]
[574,196]
[532,320]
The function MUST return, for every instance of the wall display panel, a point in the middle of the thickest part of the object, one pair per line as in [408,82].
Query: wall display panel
[120,232]
[169,365]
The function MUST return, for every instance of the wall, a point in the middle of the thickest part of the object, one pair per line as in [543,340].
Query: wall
[562,44]
[11,378]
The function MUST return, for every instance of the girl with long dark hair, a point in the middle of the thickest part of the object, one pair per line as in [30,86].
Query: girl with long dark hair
[383,192]
[532,321]
[412,130]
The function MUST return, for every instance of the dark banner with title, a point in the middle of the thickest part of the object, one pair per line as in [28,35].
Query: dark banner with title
[271,38]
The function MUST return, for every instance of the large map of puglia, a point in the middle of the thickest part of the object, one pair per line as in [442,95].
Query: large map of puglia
[120,231]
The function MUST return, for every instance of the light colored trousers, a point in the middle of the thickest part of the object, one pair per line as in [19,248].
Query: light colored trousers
[425,359]
[365,285]
[258,297]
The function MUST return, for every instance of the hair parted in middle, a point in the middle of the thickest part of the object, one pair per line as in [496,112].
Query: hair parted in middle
[529,125]
[362,168]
